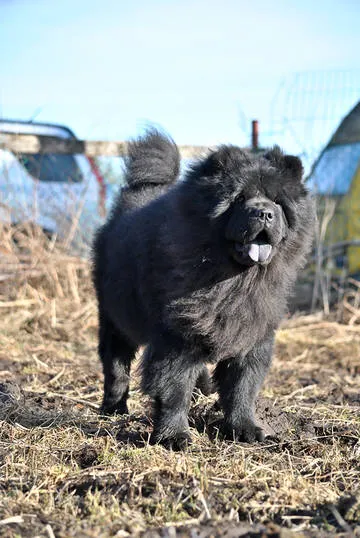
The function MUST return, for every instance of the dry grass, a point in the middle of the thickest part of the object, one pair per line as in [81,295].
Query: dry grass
[66,471]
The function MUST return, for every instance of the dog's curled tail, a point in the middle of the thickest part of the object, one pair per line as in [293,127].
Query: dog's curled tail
[151,166]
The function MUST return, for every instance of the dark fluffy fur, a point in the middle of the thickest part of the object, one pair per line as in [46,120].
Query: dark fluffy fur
[173,270]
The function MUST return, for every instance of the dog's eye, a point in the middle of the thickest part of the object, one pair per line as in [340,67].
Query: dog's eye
[240,199]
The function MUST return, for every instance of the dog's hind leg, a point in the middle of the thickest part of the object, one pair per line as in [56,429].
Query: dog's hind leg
[116,354]
[169,377]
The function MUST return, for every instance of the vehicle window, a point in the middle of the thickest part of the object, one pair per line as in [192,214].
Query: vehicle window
[52,168]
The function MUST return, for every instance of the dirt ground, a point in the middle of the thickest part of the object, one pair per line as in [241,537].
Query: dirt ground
[66,471]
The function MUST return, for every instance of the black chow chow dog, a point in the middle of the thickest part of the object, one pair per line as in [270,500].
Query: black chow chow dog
[198,271]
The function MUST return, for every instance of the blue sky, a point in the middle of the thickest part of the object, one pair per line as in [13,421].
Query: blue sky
[195,67]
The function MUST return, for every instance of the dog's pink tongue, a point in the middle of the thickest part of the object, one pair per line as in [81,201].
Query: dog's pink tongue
[264,252]
[259,253]
[254,252]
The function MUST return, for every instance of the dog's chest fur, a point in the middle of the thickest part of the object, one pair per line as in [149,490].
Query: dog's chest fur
[229,318]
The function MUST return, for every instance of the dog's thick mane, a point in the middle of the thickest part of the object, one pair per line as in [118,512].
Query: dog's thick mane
[206,299]
[222,312]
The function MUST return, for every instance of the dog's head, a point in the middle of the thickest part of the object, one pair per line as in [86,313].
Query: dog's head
[257,200]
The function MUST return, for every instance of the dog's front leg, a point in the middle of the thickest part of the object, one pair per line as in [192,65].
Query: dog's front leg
[238,381]
[169,376]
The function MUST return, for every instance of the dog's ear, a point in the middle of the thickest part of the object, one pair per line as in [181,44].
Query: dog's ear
[289,164]
[294,165]
[225,158]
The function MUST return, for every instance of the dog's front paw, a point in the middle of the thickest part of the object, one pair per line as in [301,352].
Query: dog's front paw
[177,442]
[247,431]
[114,408]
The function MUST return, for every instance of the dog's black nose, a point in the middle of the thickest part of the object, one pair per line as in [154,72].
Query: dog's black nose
[264,214]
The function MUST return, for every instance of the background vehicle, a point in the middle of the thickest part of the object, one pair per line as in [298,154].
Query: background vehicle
[64,194]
